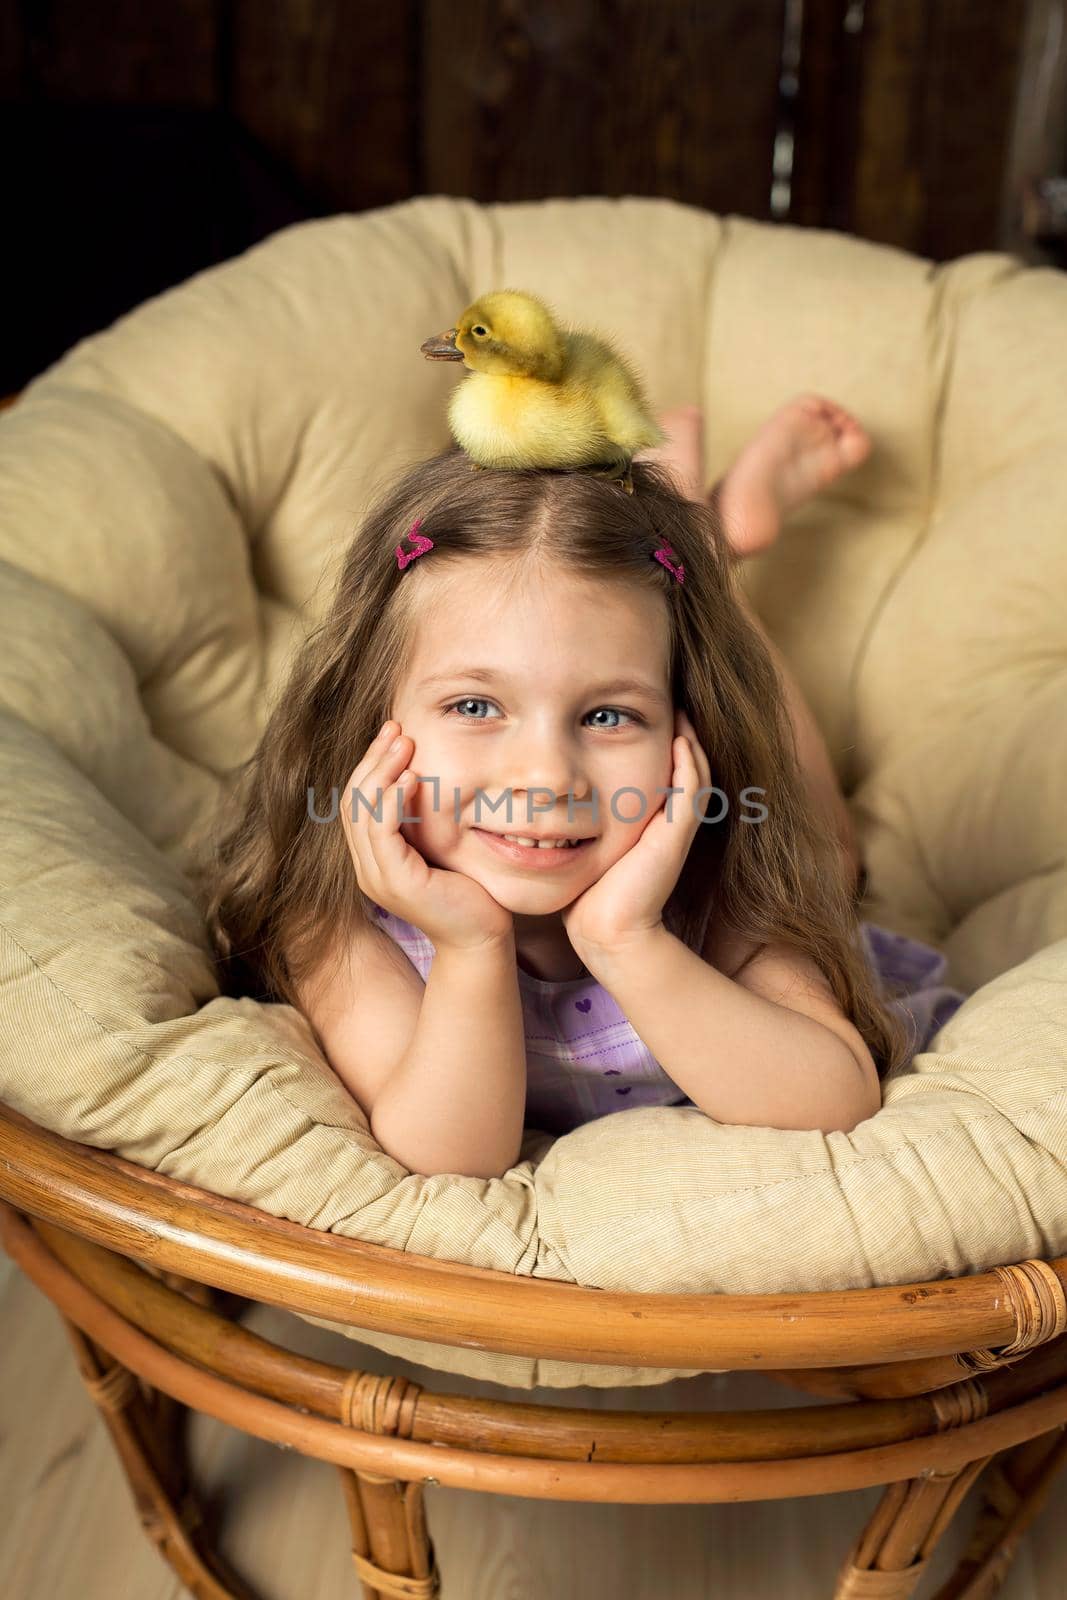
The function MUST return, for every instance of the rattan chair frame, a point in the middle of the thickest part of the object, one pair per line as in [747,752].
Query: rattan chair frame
[949,1381]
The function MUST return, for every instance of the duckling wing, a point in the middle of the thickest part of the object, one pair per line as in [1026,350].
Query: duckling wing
[596,367]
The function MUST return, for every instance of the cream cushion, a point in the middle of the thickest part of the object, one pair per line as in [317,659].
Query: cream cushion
[177,492]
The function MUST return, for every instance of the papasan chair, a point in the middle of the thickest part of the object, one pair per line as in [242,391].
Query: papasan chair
[176,491]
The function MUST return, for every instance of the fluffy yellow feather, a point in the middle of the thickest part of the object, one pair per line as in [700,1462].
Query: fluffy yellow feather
[539,394]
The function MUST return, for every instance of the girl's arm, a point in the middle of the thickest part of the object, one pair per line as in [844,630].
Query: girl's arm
[792,1062]
[457,1098]
[816,766]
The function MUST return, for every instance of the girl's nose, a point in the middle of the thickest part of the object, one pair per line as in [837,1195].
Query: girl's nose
[547,766]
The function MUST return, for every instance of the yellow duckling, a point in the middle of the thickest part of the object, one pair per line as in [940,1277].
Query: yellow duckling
[541,395]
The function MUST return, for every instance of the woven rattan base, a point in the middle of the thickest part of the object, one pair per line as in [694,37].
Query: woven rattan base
[150,1343]
[953,1384]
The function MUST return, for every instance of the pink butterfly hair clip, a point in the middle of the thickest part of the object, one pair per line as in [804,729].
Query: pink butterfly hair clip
[420,542]
[663,555]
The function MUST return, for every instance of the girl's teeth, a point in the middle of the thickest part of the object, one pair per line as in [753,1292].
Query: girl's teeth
[538,844]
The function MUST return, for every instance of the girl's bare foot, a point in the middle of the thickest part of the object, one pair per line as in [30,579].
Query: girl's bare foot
[797,452]
[683,453]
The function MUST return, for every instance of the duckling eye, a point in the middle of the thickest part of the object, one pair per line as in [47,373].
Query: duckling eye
[480,331]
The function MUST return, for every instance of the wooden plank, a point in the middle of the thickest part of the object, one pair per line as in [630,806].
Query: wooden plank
[976,60]
[677,99]
[1033,222]
[935,122]
[825,117]
[152,56]
[904,120]
[331,90]
[889,202]
[15,37]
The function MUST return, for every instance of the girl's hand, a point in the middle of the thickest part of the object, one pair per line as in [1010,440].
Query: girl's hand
[448,906]
[629,899]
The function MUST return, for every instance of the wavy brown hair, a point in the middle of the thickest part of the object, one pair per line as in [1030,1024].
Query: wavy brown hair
[282,891]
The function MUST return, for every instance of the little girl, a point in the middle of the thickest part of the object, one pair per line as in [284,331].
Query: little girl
[518,657]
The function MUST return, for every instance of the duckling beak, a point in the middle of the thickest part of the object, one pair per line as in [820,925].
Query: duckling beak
[442,347]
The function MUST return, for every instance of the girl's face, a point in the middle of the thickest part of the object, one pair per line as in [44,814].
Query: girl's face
[527,696]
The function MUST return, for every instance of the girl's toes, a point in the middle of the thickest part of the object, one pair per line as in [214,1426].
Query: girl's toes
[853,443]
[816,405]
[855,446]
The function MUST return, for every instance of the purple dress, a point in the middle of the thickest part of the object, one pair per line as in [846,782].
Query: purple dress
[585,1060]
[912,976]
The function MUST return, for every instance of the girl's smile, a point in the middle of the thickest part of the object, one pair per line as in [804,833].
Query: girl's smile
[536,857]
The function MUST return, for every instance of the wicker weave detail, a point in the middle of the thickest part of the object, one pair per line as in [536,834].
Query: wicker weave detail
[867,1583]
[962,1403]
[1038,1302]
[114,1390]
[379,1404]
[394,1585]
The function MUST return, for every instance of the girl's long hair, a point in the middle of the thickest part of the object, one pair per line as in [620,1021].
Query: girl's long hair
[281,891]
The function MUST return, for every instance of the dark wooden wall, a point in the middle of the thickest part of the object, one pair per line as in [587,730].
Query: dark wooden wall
[151,139]
[904,124]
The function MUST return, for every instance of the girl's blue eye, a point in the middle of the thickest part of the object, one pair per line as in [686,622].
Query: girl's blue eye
[468,700]
[477,700]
